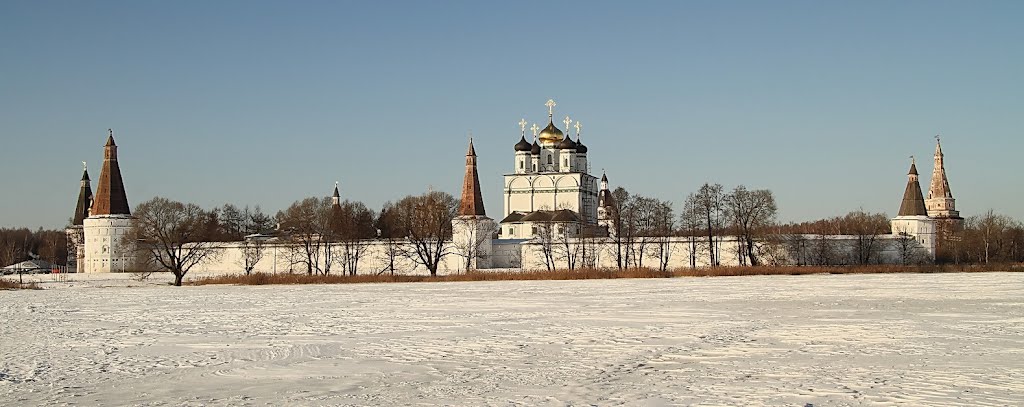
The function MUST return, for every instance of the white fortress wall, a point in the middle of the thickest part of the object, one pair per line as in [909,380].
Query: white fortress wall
[289,258]
[600,252]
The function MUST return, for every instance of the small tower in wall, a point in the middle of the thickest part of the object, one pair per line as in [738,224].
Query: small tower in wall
[75,231]
[109,219]
[472,230]
[912,219]
[606,207]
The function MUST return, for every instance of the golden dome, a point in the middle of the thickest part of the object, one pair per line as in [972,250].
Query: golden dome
[550,134]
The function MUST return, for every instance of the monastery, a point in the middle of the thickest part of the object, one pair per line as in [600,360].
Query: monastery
[548,194]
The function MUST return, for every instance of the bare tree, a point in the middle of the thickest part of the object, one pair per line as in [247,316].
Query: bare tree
[690,222]
[568,250]
[305,224]
[641,221]
[867,229]
[708,203]
[426,223]
[170,234]
[252,252]
[664,230]
[620,215]
[990,230]
[387,230]
[353,225]
[751,213]
[589,234]
[908,248]
[824,248]
[544,235]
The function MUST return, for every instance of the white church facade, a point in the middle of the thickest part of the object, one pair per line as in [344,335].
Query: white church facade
[550,181]
[551,203]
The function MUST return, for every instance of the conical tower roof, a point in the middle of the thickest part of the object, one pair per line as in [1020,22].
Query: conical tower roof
[913,200]
[472,202]
[84,200]
[110,196]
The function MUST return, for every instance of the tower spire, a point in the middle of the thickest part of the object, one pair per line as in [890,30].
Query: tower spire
[472,202]
[110,196]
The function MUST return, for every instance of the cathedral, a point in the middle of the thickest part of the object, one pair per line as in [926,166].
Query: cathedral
[550,182]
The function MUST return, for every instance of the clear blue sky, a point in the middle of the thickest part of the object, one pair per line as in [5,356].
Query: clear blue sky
[268,102]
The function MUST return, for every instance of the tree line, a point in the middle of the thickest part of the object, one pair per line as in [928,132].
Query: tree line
[20,244]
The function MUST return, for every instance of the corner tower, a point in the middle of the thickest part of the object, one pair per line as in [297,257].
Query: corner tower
[472,230]
[109,219]
[912,219]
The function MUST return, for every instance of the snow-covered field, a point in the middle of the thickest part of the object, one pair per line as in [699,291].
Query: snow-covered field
[918,339]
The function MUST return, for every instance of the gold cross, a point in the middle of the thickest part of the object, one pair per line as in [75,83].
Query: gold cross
[551,107]
[535,128]
[522,126]
[567,121]
[578,126]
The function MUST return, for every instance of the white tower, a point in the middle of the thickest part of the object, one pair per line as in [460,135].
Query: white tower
[912,219]
[109,219]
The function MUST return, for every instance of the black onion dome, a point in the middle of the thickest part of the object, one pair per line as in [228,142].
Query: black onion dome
[535,149]
[522,145]
[580,148]
[567,144]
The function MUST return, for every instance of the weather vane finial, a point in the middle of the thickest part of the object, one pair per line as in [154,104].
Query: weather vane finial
[110,132]
[913,160]
[551,108]
[85,166]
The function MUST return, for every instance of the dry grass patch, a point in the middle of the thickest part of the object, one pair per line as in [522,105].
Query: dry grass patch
[870,269]
[578,274]
[6,284]
[589,274]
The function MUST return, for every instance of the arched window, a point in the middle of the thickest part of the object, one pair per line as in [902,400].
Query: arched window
[549,158]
